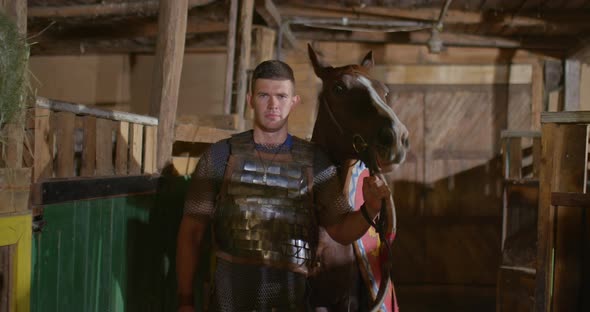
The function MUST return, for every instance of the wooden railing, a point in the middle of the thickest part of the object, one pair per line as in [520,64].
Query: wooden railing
[521,154]
[73,140]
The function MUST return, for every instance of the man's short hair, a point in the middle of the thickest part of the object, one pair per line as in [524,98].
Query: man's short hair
[273,69]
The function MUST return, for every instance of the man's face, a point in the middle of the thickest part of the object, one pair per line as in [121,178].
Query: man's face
[272,101]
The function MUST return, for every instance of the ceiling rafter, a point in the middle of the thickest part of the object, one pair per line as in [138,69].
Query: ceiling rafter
[91,10]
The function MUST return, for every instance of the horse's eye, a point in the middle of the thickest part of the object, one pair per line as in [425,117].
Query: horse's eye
[338,89]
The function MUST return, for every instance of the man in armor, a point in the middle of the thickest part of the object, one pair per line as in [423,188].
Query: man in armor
[264,193]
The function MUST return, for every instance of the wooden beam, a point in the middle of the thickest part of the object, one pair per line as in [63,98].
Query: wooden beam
[453,74]
[167,71]
[566,117]
[94,10]
[570,199]
[80,109]
[272,16]
[229,61]
[244,42]
[269,12]
[573,71]
[264,43]
[556,21]
[212,44]
[449,39]
[129,28]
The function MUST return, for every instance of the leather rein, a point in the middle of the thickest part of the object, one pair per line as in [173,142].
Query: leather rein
[367,156]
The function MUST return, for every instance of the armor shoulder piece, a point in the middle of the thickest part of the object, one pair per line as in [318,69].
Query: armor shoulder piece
[241,143]
[302,151]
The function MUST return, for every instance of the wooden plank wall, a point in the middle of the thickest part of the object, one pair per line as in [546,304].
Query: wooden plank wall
[450,188]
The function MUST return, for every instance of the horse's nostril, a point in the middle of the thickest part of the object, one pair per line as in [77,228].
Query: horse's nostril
[386,137]
[406,142]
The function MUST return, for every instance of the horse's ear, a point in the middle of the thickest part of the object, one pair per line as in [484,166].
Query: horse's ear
[318,66]
[368,61]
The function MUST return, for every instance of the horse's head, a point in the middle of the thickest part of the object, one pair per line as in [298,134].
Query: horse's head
[354,119]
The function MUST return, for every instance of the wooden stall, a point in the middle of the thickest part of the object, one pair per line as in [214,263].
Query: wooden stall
[521,155]
[109,185]
[563,239]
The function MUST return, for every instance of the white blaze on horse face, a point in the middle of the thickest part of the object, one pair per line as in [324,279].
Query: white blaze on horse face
[382,108]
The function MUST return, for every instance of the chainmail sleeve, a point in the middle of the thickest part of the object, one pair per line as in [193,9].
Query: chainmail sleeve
[330,202]
[206,181]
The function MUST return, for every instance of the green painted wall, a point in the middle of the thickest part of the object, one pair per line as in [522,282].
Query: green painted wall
[114,254]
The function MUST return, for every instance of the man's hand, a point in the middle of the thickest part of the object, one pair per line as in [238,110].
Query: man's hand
[374,191]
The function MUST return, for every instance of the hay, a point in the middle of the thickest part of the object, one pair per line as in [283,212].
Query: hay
[14,56]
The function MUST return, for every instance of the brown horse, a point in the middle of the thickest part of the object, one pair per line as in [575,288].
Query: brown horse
[354,122]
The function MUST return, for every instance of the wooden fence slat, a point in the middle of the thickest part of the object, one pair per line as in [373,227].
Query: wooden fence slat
[89,151]
[42,164]
[122,152]
[104,154]
[135,147]
[64,129]
[536,157]
[514,158]
[150,149]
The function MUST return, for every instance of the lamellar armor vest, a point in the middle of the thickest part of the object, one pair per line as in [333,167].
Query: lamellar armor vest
[264,213]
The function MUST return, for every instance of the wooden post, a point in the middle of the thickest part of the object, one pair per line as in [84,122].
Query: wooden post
[243,58]
[17,10]
[229,64]
[563,166]
[264,49]
[43,163]
[168,68]
[572,85]
[537,95]
[264,43]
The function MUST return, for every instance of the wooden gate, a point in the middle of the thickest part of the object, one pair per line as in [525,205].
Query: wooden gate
[114,251]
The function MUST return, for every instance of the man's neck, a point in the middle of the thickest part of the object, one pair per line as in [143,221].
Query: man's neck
[269,138]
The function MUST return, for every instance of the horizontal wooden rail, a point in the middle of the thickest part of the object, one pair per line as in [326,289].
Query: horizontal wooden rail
[581,117]
[74,189]
[80,109]
[570,199]
[520,134]
[144,7]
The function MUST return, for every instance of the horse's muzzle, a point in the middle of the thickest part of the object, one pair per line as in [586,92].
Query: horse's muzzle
[392,145]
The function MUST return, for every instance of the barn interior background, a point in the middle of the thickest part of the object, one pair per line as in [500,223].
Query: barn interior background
[121,92]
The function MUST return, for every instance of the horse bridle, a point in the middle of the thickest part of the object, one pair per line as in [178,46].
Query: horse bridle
[362,148]
[367,155]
